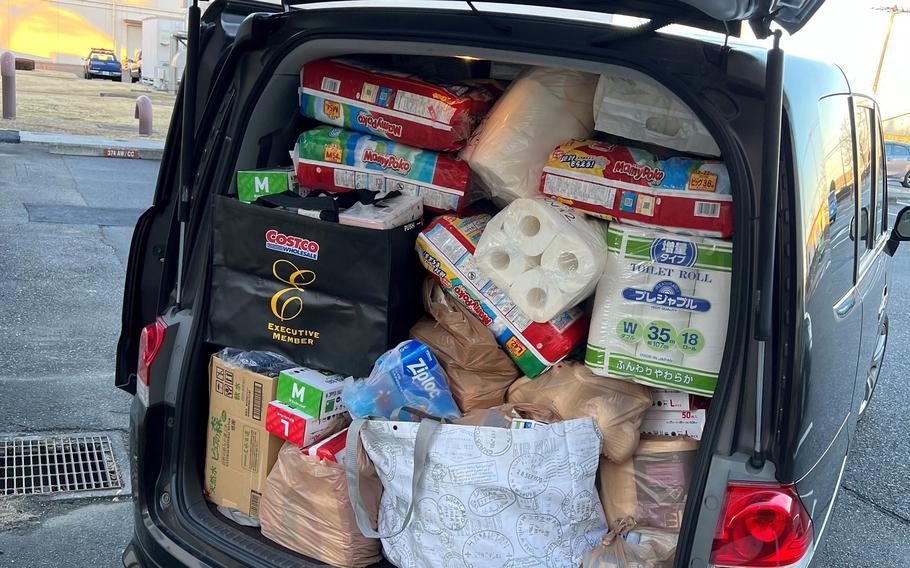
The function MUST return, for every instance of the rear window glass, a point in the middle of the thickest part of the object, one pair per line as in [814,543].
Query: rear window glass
[102,57]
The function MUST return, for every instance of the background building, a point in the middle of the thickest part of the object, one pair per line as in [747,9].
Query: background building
[61,32]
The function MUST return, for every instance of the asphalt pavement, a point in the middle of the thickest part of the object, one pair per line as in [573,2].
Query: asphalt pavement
[65,227]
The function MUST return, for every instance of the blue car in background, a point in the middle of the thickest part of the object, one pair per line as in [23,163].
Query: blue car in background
[101,63]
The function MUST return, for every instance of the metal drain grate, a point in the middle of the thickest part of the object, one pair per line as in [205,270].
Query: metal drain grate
[30,465]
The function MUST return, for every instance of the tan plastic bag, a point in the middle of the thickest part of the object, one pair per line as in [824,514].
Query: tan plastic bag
[305,507]
[479,371]
[630,547]
[616,405]
[652,486]
[502,416]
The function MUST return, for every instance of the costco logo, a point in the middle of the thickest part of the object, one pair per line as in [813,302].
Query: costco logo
[297,246]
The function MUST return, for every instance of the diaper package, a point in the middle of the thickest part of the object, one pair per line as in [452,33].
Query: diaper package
[630,104]
[542,108]
[423,113]
[406,376]
[340,160]
[679,194]
[545,255]
[661,309]
[446,248]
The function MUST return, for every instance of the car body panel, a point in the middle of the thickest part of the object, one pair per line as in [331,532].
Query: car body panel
[898,155]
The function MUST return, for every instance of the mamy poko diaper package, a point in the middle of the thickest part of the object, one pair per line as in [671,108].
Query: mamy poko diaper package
[680,194]
[340,160]
[446,248]
[661,309]
[424,113]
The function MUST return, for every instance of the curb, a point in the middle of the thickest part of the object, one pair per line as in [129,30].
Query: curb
[92,146]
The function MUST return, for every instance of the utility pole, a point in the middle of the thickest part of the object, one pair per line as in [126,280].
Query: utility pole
[894,10]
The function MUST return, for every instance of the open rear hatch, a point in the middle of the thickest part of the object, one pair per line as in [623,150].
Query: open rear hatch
[274,38]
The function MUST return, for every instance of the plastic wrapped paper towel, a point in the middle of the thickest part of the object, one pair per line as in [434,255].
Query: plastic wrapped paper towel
[661,310]
[680,194]
[630,104]
[546,256]
[446,248]
[542,108]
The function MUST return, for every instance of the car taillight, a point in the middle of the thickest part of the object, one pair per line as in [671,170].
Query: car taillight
[761,525]
[150,341]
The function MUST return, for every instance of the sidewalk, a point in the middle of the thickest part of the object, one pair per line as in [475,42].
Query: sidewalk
[82,145]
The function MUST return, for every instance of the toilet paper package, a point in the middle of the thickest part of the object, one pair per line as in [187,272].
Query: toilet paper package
[546,256]
[661,309]
[339,160]
[630,104]
[419,112]
[446,248]
[542,108]
[680,194]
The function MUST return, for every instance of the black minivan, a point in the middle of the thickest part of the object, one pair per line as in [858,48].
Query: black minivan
[808,312]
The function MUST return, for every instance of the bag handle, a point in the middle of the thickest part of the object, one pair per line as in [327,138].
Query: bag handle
[352,472]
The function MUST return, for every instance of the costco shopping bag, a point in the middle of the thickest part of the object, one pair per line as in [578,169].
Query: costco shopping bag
[327,296]
[478,496]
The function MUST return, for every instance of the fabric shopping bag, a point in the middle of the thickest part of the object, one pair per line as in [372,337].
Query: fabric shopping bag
[478,496]
[328,296]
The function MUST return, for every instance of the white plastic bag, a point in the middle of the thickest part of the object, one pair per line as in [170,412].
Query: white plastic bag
[545,255]
[477,496]
[539,111]
[631,104]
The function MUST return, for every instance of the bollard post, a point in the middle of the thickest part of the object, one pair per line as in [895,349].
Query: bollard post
[144,114]
[8,84]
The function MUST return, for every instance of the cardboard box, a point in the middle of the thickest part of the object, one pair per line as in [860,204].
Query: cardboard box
[296,426]
[673,423]
[239,451]
[331,449]
[668,399]
[253,184]
[316,393]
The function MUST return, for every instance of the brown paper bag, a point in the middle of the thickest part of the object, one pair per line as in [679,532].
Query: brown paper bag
[479,371]
[616,405]
[305,507]
[645,548]
[652,486]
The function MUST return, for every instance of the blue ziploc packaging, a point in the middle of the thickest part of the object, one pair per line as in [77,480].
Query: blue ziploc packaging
[407,375]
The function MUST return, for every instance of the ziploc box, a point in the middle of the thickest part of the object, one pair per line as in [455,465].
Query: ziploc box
[253,184]
[316,393]
[446,248]
[296,426]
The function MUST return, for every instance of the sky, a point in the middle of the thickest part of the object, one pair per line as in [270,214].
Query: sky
[850,33]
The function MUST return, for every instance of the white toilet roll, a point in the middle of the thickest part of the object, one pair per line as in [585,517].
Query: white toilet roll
[530,226]
[538,296]
[572,262]
[504,264]
[661,309]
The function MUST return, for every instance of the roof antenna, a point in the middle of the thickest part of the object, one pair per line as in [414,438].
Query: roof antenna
[486,18]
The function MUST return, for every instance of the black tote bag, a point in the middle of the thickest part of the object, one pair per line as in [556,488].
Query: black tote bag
[327,296]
